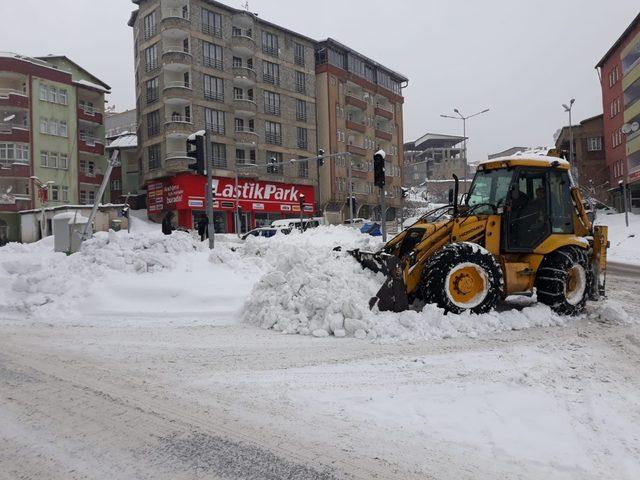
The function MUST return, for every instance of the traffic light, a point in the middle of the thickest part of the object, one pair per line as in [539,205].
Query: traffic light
[378,169]
[195,150]
[320,157]
[301,199]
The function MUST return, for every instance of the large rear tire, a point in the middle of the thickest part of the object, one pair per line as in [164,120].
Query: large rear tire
[563,280]
[462,276]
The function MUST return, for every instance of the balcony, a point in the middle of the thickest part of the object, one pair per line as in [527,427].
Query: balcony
[244,105]
[246,136]
[383,133]
[89,144]
[175,19]
[242,44]
[14,132]
[357,150]
[384,112]
[90,178]
[178,126]
[177,91]
[10,97]
[89,114]
[358,127]
[244,76]
[243,19]
[11,168]
[353,100]
[177,161]
[175,55]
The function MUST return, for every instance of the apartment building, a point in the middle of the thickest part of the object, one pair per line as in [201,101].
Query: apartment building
[265,95]
[359,104]
[619,72]
[125,182]
[51,128]
[201,65]
[589,155]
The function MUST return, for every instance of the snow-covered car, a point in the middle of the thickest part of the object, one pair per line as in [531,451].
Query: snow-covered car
[294,223]
[355,222]
[266,232]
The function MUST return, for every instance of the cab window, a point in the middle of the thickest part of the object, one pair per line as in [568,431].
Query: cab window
[561,202]
[489,187]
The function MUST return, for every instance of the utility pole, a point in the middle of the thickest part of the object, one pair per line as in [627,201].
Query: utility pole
[211,229]
[113,162]
[464,137]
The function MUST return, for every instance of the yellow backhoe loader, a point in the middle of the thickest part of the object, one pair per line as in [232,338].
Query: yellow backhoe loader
[521,227]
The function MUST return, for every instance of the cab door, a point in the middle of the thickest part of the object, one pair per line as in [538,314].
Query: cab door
[526,222]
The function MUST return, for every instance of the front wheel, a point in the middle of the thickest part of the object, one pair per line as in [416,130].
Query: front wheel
[563,280]
[462,276]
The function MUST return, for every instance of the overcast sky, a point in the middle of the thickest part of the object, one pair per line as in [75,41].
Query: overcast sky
[520,59]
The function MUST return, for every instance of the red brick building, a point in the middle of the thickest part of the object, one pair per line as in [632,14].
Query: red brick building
[619,72]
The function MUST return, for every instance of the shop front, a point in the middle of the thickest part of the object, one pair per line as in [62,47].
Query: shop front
[258,202]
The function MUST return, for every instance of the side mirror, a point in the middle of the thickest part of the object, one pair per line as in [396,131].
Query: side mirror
[451,195]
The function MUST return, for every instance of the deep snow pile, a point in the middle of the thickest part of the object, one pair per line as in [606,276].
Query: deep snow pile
[311,289]
[625,241]
[38,280]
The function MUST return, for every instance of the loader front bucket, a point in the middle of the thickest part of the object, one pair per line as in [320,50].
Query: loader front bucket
[392,295]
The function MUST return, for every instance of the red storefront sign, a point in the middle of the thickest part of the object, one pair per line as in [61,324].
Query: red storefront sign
[187,192]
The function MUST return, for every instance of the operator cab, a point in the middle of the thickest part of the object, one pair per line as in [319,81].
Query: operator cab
[534,202]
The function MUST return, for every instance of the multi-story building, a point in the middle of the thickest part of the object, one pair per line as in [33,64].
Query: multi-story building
[121,133]
[259,90]
[201,65]
[51,128]
[619,72]
[589,159]
[359,106]
[433,156]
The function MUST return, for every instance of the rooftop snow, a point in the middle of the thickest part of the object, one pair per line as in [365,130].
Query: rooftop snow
[94,86]
[536,154]
[126,140]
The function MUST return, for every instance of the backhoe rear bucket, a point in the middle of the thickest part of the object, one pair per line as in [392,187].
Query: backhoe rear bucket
[392,295]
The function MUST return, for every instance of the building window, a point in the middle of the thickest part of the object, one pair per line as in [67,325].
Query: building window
[152,93]
[271,73]
[116,185]
[340,135]
[301,110]
[211,23]
[212,56]
[301,136]
[151,58]
[270,44]
[63,98]
[273,133]
[303,169]
[64,161]
[219,155]
[240,156]
[153,155]
[14,153]
[594,144]
[271,103]
[62,128]
[153,123]
[87,167]
[44,93]
[298,54]
[64,193]
[55,193]
[274,160]
[300,82]
[149,25]
[214,121]
[213,88]
[87,197]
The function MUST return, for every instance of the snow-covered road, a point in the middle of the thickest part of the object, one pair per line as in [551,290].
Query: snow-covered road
[155,399]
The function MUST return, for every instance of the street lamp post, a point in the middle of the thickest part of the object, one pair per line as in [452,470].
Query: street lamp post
[464,137]
[568,108]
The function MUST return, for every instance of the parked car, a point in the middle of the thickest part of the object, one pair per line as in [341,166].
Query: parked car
[355,222]
[295,223]
[266,232]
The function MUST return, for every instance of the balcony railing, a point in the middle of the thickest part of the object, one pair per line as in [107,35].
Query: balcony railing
[150,31]
[178,84]
[215,128]
[244,129]
[152,65]
[89,139]
[301,87]
[178,118]
[299,60]
[8,127]
[272,79]
[240,96]
[302,143]
[175,13]
[213,63]
[6,92]
[273,138]
[272,109]
[212,30]
[269,50]
[214,95]
[301,116]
